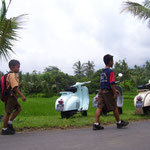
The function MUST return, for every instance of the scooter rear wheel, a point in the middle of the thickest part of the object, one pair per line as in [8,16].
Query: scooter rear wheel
[120,110]
[68,114]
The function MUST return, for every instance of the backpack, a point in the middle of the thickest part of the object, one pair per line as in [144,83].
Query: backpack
[4,93]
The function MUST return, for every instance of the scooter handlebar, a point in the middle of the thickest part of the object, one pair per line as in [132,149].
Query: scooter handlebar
[81,83]
[116,82]
[87,82]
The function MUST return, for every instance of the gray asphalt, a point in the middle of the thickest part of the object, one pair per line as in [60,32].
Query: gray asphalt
[135,137]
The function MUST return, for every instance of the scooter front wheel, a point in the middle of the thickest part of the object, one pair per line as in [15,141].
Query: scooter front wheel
[84,113]
[146,110]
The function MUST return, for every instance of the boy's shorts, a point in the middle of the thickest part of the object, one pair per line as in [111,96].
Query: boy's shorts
[11,104]
[106,99]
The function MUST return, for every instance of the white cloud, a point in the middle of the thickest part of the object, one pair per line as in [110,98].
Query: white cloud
[61,32]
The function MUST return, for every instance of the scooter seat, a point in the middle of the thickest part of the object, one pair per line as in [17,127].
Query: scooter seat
[146,86]
[71,89]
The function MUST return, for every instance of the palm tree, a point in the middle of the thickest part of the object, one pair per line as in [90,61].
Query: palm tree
[89,68]
[8,31]
[78,69]
[142,11]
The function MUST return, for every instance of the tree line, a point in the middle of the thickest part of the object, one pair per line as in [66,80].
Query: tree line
[52,80]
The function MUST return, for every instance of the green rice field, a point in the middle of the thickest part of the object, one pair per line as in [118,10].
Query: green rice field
[39,113]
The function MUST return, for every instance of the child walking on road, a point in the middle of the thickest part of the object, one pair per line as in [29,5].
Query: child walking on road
[107,94]
[12,106]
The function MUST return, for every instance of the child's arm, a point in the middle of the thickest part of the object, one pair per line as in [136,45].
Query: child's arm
[114,90]
[19,92]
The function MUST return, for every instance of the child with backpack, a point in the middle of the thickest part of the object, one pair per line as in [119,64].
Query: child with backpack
[12,106]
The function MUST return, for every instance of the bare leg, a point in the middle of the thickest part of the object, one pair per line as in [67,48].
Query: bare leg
[14,115]
[6,118]
[116,114]
[97,115]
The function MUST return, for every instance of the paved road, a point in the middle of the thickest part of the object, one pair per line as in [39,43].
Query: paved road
[135,137]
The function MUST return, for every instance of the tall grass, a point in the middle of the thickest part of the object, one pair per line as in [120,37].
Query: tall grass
[40,113]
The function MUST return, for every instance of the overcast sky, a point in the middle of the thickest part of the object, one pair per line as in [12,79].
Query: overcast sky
[62,32]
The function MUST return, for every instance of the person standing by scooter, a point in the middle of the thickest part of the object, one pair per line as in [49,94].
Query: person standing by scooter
[108,94]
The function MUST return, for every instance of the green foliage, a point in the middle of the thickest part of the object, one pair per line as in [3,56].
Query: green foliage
[84,70]
[142,11]
[8,31]
[51,68]
[46,84]
[131,78]
[52,80]
[138,75]
[88,69]
[3,11]
[122,67]
[127,85]
[147,70]
[95,82]
[78,69]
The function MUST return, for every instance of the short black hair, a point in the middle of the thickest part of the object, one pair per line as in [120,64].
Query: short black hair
[13,62]
[107,58]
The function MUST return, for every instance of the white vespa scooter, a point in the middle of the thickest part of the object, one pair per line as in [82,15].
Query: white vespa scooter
[142,100]
[74,99]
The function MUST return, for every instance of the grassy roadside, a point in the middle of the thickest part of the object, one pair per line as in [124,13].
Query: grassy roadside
[40,113]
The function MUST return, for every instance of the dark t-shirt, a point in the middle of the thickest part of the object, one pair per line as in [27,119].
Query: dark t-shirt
[107,78]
